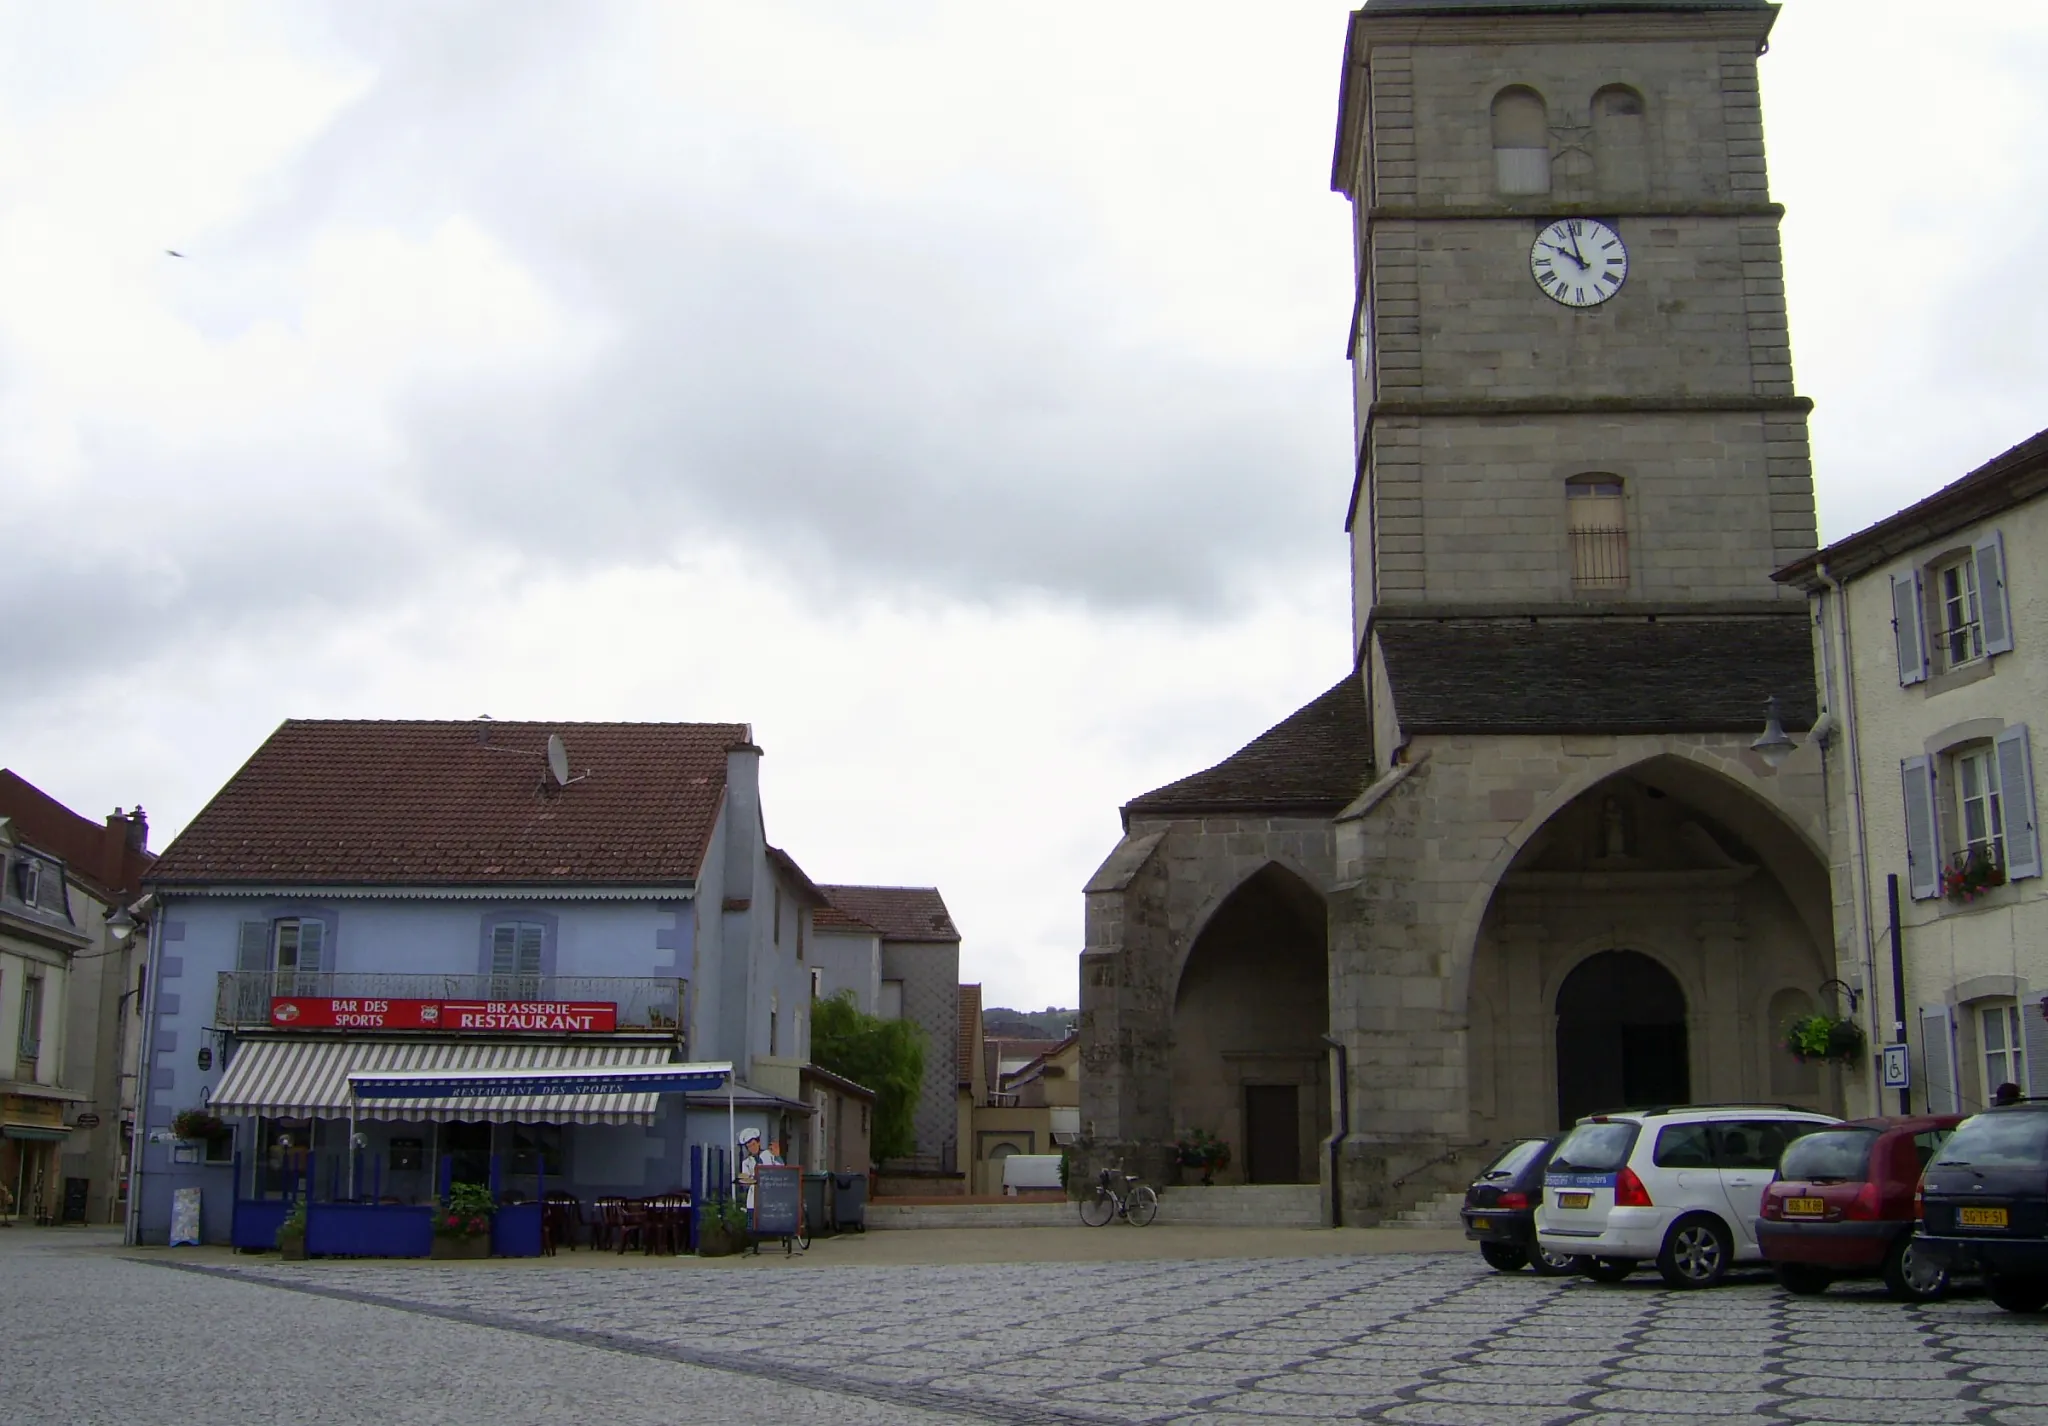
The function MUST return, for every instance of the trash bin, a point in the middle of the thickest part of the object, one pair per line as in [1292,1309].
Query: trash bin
[850,1201]
[814,1203]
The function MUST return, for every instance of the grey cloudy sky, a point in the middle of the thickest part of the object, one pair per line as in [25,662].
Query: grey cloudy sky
[953,391]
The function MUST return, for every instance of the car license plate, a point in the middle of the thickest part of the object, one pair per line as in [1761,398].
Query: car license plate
[1806,1207]
[1575,1200]
[1482,1224]
[1981,1217]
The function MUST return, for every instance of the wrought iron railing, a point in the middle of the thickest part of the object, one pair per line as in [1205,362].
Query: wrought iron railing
[244,999]
[1600,559]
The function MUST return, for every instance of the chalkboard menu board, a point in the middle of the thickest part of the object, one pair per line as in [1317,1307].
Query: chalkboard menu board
[778,1198]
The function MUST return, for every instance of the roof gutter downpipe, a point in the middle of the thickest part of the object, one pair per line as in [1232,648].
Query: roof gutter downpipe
[1853,747]
[1343,1130]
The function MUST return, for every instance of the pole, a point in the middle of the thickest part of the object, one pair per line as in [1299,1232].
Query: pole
[1343,1129]
[732,1125]
[1891,893]
[354,1188]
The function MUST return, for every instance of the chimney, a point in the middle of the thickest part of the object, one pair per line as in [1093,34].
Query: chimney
[134,827]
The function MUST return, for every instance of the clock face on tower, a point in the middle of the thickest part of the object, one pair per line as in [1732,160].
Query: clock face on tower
[1579,261]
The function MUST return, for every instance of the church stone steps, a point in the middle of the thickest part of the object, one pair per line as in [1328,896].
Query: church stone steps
[1436,1212]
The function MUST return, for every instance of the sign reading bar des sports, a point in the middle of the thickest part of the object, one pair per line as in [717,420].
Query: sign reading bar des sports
[313,1012]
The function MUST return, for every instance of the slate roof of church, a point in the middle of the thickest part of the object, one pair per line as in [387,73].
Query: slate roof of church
[1311,763]
[899,913]
[1598,675]
[434,803]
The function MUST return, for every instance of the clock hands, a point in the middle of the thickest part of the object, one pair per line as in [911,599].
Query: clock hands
[1561,252]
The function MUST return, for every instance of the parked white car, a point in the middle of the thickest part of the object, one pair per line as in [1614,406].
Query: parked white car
[1677,1187]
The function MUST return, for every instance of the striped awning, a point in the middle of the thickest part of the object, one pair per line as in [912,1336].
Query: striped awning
[308,1079]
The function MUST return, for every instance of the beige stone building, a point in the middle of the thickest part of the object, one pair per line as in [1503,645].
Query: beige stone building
[1934,672]
[1521,861]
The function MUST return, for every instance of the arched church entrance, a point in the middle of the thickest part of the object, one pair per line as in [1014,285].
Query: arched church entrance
[1569,1013]
[1249,1014]
[1620,1037]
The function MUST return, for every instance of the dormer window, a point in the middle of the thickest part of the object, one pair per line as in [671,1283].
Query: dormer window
[28,879]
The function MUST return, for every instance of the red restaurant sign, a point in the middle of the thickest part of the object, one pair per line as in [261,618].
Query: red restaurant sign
[306,1012]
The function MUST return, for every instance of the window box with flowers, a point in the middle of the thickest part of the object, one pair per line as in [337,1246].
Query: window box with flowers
[462,1228]
[1971,874]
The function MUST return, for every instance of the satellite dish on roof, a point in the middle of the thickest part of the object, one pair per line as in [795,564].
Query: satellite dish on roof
[558,759]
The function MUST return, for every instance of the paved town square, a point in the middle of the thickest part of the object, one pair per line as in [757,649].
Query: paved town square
[1409,1337]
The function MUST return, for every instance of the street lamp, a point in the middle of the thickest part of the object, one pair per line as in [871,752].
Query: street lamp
[1774,747]
[121,925]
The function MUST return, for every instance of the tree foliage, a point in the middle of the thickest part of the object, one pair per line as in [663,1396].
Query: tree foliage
[886,1056]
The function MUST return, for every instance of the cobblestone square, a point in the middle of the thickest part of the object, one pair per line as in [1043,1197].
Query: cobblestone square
[1396,1337]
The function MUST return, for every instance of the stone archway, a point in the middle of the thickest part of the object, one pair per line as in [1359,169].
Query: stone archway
[1621,1041]
[1249,1013]
[1709,902]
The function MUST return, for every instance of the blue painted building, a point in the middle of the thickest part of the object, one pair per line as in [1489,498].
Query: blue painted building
[424,895]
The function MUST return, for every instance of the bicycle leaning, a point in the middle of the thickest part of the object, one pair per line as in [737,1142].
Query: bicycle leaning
[1119,1195]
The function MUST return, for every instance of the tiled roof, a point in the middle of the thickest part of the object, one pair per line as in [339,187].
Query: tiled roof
[97,853]
[427,803]
[1313,762]
[831,918]
[1598,675]
[2001,483]
[970,1021]
[900,913]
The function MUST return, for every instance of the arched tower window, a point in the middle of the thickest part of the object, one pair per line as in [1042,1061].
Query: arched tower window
[1621,148]
[1521,141]
[1597,516]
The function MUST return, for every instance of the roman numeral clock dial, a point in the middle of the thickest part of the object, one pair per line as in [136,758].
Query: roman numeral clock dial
[1579,261]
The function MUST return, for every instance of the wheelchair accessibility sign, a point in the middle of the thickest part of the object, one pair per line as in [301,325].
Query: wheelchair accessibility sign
[1898,1067]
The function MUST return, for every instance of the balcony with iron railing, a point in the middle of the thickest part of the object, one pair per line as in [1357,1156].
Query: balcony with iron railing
[245,1000]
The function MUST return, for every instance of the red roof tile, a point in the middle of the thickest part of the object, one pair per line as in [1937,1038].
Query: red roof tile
[98,853]
[831,918]
[900,913]
[435,802]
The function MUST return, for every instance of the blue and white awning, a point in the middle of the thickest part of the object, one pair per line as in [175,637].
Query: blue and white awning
[501,1082]
[516,1083]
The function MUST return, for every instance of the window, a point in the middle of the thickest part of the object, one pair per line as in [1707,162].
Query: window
[1927,1143]
[817,983]
[799,933]
[515,960]
[1620,146]
[1962,626]
[220,1148]
[537,1148]
[298,955]
[1684,1146]
[28,878]
[778,915]
[1521,142]
[1597,516]
[30,1048]
[774,1018]
[1757,1143]
[1980,823]
[1954,609]
[1999,1027]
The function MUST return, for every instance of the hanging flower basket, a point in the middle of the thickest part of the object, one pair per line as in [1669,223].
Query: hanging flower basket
[197,1124]
[1824,1038]
[1973,873]
[1203,1150]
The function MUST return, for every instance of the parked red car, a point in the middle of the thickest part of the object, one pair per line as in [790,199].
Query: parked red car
[1842,1206]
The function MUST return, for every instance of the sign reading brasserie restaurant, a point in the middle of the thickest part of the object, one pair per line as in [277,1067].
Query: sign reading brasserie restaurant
[312,1012]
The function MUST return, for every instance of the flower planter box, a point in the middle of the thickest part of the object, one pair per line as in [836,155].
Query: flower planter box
[717,1243]
[291,1247]
[448,1246]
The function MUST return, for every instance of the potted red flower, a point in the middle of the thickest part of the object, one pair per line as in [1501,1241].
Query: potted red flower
[462,1227]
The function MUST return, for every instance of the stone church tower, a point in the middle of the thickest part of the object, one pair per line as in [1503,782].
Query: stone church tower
[1520,863]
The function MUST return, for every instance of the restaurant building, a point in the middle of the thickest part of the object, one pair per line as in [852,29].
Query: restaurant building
[367,904]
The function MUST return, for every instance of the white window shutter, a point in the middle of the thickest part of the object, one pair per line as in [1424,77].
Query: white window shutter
[2034,1040]
[1938,1056]
[1994,609]
[505,950]
[312,947]
[2016,801]
[1923,845]
[1909,627]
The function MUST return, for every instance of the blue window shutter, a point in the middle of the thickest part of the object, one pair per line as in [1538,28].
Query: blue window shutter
[1923,846]
[2016,803]
[505,950]
[253,953]
[1938,1055]
[2034,1040]
[1993,608]
[1909,627]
